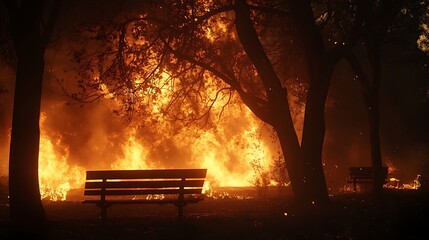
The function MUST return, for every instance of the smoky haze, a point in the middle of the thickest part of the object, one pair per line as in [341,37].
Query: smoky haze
[92,136]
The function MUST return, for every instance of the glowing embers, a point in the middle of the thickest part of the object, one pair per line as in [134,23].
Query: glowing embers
[393,183]
[396,183]
[396,180]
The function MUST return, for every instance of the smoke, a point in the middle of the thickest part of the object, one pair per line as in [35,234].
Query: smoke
[92,137]
[403,121]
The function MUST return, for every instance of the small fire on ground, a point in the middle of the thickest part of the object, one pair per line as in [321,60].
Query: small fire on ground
[395,183]
[392,182]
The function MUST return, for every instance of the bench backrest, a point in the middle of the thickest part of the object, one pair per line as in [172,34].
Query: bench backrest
[144,182]
[364,172]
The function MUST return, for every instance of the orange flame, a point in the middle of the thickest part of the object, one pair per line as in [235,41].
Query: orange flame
[227,152]
[56,177]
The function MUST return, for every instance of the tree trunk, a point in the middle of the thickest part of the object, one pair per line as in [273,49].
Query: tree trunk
[291,149]
[276,96]
[319,68]
[371,88]
[26,209]
[374,130]
[372,103]
[313,136]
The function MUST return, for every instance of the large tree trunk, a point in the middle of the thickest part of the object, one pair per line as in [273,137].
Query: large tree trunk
[372,103]
[304,163]
[371,88]
[374,130]
[26,209]
[277,98]
[313,136]
[291,149]
[319,68]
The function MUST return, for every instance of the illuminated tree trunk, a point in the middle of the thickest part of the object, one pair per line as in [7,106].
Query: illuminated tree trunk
[303,163]
[26,209]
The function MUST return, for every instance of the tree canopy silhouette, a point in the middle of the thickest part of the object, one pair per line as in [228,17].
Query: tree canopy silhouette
[266,52]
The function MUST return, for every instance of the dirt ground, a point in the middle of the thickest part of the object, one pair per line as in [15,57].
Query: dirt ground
[401,215]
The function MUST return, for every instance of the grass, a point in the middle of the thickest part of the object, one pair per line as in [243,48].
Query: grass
[401,215]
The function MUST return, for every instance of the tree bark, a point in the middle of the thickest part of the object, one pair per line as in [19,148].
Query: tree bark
[372,103]
[26,209]
[374,130]
[319,68]
[291,149]
[371,84]
[276,95]
[313,136]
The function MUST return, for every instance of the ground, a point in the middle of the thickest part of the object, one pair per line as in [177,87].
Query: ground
[401,215]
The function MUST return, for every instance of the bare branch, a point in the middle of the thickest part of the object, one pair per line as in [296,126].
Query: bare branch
[257,105]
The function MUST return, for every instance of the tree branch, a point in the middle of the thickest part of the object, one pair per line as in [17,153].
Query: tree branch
[256,105]
[52,19]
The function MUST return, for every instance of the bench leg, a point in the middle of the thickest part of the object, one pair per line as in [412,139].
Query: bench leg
[354,185]
[180,212]
[103,213]
[180,206]
[103,208]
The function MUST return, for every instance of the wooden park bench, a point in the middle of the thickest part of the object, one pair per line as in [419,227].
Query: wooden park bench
[176,186]
[359,175]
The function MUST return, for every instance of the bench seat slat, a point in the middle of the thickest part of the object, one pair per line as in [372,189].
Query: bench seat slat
[364,181]
[146,174]
[142,191]
[364,171]
[361,177]
[360,180]
[138,201]
[145,184]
